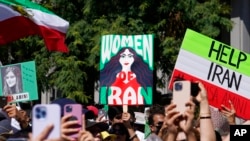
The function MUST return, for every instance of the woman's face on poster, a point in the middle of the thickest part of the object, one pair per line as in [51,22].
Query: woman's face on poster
[10,79]
[126,58]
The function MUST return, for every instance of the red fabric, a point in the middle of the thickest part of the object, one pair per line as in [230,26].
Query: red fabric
[20,26]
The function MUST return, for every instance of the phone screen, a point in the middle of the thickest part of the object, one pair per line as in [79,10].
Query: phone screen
[181,94]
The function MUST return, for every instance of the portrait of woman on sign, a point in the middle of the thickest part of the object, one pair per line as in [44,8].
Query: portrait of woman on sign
[11,79]
[126,77]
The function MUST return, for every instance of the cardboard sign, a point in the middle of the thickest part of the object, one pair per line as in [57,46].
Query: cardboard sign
[224,70]
[126,69]
[18,82]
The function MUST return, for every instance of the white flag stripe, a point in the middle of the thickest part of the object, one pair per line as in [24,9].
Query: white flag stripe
[39,17]
[7,12]
[199,67]
[48,20]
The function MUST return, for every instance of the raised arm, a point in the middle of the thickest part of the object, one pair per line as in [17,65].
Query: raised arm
[206,126]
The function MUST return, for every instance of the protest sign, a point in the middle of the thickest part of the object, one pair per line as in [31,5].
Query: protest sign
[18,82]
[224,70]
[126,69]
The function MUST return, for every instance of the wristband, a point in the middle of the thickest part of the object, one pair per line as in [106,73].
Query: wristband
[205,117]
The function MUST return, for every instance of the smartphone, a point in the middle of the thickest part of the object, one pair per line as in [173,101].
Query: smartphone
[195,89]
[3,101]
[17,139]
[102,112]
[181,94]
[76,111]
[43,115]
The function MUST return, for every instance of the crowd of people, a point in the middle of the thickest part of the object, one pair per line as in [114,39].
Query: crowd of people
[164,122]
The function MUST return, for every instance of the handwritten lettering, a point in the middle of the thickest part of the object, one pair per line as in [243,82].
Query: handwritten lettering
[225,54]
[224,76]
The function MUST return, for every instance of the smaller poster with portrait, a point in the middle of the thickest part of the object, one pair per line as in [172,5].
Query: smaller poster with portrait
[18,82]
[126,69]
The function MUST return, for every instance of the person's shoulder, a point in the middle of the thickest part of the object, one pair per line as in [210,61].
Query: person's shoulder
[153,137]
[140,135]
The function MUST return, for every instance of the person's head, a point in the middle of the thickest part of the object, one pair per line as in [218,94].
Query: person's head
[12,80]
[115,114]
[5,128]
[156,118]
[95,128]
[120,131]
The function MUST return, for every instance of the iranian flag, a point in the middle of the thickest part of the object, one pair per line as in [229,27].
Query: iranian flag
[22,18]
[223,69]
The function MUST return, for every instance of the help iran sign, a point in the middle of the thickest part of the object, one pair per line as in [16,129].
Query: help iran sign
[126,69]
[224,70]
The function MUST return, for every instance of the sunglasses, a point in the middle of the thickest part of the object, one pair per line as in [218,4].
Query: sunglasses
[159,124]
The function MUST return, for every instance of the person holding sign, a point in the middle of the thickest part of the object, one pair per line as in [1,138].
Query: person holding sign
[126,77]
[11,78]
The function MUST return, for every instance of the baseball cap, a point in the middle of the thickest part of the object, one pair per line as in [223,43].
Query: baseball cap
[103,126]
[5,127]
[93,109]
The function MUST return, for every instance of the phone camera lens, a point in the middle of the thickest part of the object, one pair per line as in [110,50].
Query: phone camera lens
[40,113]
[68,109]
[178,86]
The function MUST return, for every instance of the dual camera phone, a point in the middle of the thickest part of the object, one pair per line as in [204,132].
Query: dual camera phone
[182,92]
[44,115]
[76,111]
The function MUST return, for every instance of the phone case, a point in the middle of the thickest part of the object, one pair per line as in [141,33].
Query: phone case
[181,94]
[17,139]
[43,115]
[76,111]
[3,101]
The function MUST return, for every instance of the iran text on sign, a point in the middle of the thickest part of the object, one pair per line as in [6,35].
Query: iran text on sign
[223,69]
[126,69]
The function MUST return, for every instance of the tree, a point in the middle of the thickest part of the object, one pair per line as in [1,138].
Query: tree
[76,72]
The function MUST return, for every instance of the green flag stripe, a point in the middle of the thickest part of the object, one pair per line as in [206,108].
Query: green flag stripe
[216,51]
[26,4]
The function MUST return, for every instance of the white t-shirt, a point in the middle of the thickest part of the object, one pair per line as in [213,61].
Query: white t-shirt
[140,135]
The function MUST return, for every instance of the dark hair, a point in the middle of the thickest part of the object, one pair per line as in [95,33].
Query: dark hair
[143,75]
[122,130]
[114,111]
[155,110]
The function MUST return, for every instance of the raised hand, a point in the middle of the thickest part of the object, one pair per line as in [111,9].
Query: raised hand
[44,134]
[66,128]
[83,134]
[229,113]
[187,123]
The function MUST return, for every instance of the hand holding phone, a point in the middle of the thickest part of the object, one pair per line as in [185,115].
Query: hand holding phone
[181,94]
[76,115]
[44,115]
[3,101]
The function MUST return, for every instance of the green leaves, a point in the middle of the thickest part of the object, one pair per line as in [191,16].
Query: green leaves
[75,73]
